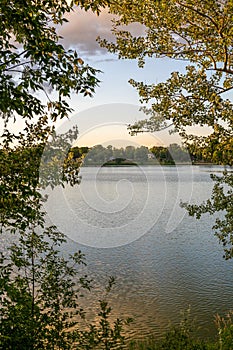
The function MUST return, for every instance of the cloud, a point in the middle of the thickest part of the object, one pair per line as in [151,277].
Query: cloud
[84,27]
[106,60]
[82,30]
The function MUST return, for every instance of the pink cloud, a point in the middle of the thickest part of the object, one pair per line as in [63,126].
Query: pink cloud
[84,27]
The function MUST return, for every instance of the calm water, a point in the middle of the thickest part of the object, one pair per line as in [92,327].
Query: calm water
[129,224]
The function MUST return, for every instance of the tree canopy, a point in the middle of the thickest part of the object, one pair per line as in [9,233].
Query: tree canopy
[33,60]
[197,32]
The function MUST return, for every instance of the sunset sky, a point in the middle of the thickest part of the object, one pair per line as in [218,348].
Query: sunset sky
[104,118]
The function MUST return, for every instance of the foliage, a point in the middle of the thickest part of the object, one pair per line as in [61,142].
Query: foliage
[37,76]
[40,298]
[40,288]
[34,61]
[103,335]
[171,155]
[39,292]
[225,331]
[99,155]
[221,201]
[216,148]
[200,34]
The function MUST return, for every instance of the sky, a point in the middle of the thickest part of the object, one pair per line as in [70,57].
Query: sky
[103,119]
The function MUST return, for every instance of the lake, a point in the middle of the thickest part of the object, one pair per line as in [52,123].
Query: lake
[128,222]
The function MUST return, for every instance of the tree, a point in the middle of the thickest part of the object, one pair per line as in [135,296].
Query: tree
[129,152]
[141,154]
[199,33]
[39,292]
[39,287]
[118,152]
[178,154]
[37,76]
[161,154]
[33,60]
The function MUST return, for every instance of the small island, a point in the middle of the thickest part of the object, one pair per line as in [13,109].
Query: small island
[119,162]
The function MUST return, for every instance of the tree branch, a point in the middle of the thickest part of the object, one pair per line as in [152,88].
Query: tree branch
[229,71]
[199,13]
[13,58]
[17,65]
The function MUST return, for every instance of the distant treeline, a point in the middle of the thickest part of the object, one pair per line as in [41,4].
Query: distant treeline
[170,155]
